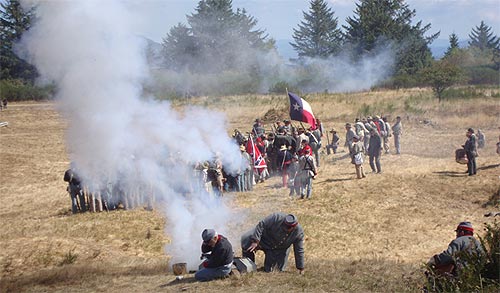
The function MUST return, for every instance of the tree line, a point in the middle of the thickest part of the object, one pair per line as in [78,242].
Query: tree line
[218,40]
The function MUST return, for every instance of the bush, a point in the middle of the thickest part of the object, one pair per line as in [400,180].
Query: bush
[281,87]
[482,272]
[483,75]
[18,90]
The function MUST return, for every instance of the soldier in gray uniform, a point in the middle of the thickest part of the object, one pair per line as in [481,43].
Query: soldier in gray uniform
[350,133]
[397,131]
[275,235]
[75,191]
[449,261]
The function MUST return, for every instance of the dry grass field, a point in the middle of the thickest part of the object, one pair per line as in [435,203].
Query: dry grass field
[361,235]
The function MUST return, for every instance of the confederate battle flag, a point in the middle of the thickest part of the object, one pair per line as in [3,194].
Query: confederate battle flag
[258,161]
[300,110]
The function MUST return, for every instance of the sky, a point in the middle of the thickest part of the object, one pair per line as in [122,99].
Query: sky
[279,17]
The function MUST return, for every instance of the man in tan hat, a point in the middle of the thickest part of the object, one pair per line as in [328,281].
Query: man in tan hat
[335,142]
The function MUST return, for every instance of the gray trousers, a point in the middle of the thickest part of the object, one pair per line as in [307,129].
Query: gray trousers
[397,143]
[274,258]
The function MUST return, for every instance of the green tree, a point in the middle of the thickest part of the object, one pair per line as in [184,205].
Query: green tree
[14,21]
[453,45]
[441,75]
[178,46]
[483,38]
[317,35]
[382,23]
[216,39]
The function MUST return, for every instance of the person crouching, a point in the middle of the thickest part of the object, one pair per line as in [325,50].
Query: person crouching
[219,256]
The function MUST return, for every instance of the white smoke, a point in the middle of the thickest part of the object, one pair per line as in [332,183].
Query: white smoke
[116,135]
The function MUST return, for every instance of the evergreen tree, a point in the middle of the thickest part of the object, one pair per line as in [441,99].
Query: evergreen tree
[482,37]
[14,21]
[388,23]
[453,45]
[216,39]
[179,46]
[317,35]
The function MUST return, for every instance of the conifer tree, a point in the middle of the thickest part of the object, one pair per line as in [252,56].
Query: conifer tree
[14,21]
[453,45]
[216,38]
[382,23]
[317,35]
[483,38]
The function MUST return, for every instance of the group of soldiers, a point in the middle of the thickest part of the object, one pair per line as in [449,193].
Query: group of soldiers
[370,136]
[86,198]
[287,150]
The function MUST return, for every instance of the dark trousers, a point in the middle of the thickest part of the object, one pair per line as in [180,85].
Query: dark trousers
[471,164]
[375,165]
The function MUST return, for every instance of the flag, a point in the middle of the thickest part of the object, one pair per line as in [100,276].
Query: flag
[258,160]
[300,110]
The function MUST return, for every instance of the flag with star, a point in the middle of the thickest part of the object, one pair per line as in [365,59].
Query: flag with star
[300,110]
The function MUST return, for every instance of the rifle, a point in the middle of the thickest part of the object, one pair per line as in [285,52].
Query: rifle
[328,145]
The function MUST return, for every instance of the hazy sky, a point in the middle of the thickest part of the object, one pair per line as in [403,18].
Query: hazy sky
[279,17]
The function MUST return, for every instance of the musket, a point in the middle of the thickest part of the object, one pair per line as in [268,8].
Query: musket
[328,145]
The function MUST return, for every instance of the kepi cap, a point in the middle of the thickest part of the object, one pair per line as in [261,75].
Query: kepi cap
[291,220]
[466,226]
[208,234]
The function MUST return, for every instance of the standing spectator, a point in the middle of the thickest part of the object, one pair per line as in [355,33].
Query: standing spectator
[374,151]
[357,153]
[219,256]
[470,150]
[348,136]
[294,176]
[274,235]
[308,171]
[481,139]
[335,141]
[397,131]
[284,158]
[315,143]
[387,134]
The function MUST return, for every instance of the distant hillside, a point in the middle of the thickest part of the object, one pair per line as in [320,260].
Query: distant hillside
[438,48]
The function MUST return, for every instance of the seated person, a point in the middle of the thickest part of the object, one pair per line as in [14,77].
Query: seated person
[219,253]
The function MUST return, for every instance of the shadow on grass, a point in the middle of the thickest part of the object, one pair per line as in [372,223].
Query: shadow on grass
[488,167]
[337,180]
[451,173]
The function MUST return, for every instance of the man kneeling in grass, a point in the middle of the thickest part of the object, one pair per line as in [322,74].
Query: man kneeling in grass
[219,256]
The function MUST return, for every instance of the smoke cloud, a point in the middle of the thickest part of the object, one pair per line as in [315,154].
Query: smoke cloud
[116,135]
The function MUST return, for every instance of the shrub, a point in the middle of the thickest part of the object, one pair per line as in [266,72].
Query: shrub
[18,90]
[482,75]
[482,272]
[281,86]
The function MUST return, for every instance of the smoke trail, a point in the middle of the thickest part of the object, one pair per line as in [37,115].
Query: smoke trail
[117,137]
